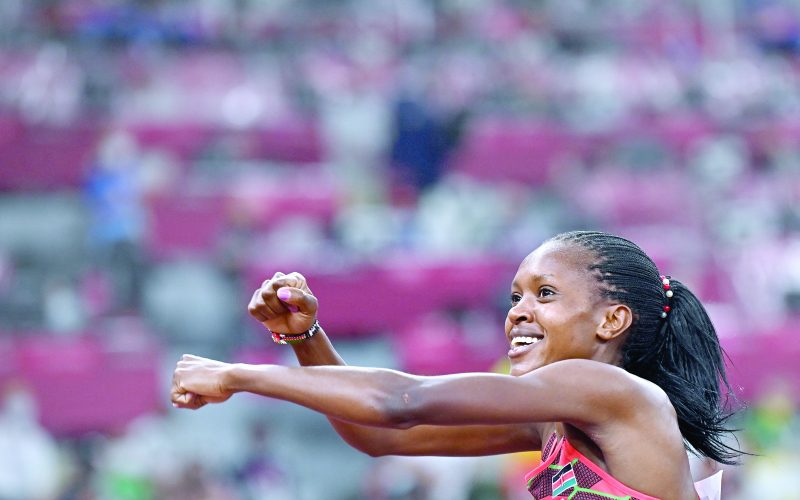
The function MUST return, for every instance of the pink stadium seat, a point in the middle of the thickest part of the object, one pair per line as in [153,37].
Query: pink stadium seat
[761,360]
[436,345]
[292,141]
[33,158]
[185,140]
[512,150]
[82,385]
[395,295]
[186,224]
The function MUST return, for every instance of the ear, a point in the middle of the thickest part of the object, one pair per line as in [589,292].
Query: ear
[617,318]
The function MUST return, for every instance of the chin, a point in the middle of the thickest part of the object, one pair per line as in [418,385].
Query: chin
[521,369]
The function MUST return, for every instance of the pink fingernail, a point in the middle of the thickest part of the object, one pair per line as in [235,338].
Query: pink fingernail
[292,308]
[284,294]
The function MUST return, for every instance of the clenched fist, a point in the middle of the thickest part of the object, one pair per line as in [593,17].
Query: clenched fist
[284,304]
[198,381]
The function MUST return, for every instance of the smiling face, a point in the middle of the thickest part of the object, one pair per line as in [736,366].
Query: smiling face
[556,309]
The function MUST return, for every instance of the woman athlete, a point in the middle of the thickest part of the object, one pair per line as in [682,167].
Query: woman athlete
[615,372]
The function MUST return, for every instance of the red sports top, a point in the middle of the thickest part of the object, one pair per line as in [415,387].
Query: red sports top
[566,474]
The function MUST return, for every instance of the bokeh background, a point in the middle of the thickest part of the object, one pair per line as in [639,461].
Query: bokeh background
[160,158]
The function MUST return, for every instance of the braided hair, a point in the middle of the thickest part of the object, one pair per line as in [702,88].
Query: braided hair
[679,351]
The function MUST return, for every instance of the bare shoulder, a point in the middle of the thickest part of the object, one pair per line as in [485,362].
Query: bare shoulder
[605,389]
[632,429]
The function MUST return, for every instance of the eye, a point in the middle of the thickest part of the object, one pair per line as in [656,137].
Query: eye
[515,298]
[546,292]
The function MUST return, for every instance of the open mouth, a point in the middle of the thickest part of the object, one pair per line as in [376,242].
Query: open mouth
[524,341]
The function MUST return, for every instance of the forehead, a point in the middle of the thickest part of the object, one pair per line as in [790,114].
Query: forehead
[556,260]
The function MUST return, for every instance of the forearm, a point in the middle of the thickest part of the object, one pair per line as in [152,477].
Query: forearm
[319,351]
[388,398]
[363,396]
[423,439]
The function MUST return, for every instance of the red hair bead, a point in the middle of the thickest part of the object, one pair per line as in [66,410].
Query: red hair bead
[667,309]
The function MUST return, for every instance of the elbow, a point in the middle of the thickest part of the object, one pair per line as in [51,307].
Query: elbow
[401,410]
[395,404]
[371,445]
[375,452]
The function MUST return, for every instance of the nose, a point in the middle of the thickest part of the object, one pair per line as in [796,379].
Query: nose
[519,314]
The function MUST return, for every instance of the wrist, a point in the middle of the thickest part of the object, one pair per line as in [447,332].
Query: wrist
[233,379]
[293,338]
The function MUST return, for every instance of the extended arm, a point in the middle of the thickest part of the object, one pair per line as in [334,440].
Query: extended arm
[583,393]
[470,440]
[421,440]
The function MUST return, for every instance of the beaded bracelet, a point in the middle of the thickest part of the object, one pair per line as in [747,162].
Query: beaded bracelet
[289,338]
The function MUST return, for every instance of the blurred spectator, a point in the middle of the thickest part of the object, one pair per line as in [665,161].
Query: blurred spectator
[29,460]
[260,477]
[114,198]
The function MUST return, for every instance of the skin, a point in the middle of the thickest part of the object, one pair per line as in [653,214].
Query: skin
[569,382]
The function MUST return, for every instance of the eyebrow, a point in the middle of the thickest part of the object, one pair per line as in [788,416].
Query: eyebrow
[535,277]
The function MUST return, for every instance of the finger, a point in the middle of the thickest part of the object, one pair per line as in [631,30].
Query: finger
[294,279]
[180,399]
[268,286]
[272,305]
[260,305]
[190,401]
[254,309]
[268,283]
[301,282]
[304,302]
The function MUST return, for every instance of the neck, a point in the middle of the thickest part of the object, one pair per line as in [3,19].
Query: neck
[609,352]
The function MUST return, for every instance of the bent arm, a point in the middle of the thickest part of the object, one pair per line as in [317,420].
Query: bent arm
[471,440]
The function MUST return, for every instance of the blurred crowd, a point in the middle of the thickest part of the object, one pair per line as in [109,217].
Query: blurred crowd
[159,159]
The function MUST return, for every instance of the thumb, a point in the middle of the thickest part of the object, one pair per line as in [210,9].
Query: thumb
[298,300]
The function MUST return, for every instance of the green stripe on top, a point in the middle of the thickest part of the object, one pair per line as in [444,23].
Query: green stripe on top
[569,483]
[578,489]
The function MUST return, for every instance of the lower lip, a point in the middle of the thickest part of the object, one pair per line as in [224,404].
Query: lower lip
[517,351]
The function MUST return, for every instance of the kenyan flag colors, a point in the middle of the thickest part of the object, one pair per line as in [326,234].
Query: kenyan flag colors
[564,480]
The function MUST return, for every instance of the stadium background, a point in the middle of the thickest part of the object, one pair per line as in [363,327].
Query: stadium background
[159,159]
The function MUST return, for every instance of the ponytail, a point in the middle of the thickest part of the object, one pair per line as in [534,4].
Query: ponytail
[680,352]
[690,368]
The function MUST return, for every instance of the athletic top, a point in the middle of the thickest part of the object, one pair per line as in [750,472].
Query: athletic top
[566,474]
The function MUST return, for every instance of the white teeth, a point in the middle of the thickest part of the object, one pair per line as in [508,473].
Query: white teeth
[517,341]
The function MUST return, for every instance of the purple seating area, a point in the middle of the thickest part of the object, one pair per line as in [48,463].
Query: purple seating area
[183,140]
[181,224]
[392,296]
[294,140]
[84,383]
[435,345]
[44,158]
[515,151]
[763,362]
